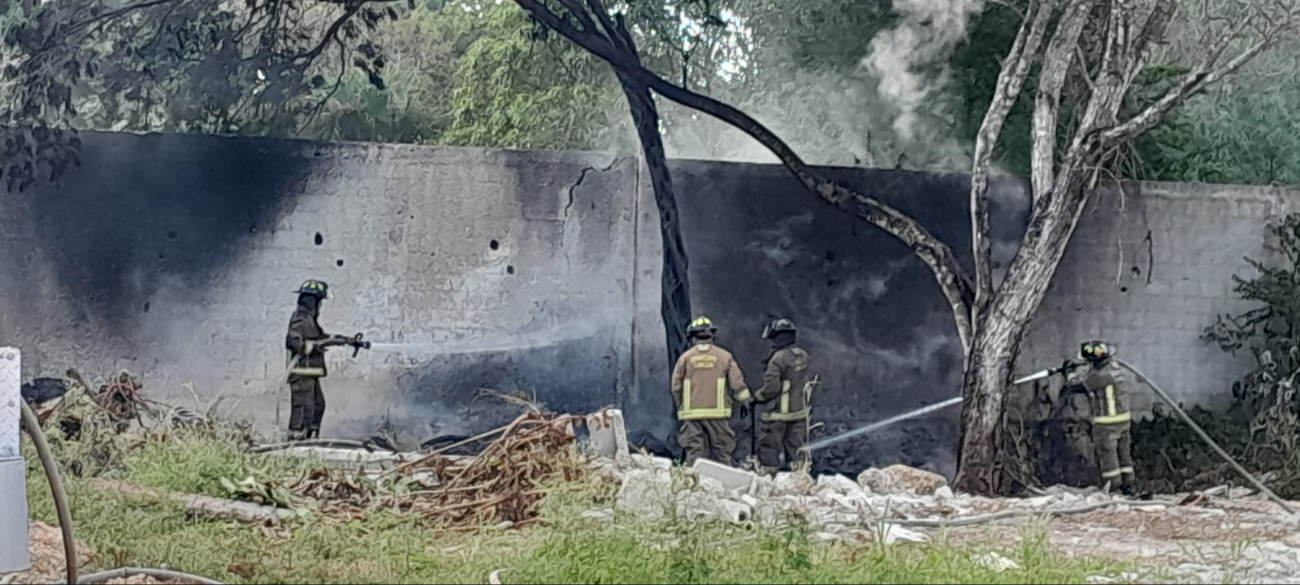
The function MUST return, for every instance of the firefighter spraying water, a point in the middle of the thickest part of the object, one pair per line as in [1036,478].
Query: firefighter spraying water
[306,343]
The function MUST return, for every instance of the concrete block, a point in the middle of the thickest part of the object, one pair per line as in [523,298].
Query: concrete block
[609,435]
[645,492]
[731,478]
[733,511]
[894,534]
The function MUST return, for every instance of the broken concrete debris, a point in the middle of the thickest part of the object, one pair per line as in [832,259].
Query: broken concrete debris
[729,477]
[897,479]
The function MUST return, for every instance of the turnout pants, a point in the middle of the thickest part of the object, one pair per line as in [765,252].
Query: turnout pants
[307,408]
[1114,452]
[711,439]
[782,437]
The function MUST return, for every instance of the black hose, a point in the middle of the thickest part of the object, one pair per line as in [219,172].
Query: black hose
[32,423]
[163,574]
[1204,437]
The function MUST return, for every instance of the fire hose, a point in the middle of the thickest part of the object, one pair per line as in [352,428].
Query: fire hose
[32,425]
[1205,437]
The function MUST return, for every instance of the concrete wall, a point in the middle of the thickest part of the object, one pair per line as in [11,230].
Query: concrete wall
[1150,268]
[176,256]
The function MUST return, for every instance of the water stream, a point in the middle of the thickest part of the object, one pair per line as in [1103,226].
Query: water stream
[884,423]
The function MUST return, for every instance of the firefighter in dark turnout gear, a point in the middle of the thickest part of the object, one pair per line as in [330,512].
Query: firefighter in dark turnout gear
[306,343]
[706,381]
[786,400]
[1104,382]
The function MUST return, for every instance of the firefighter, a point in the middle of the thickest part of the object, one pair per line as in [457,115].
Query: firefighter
[706,381]
[307,343]
[1104,382]
[786,400]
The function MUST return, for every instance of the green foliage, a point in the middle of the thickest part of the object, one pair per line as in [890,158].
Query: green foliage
[1261,427]
[197,465]
[516,91]
[1248,138]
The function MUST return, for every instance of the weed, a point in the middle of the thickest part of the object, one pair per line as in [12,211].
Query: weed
[568,547]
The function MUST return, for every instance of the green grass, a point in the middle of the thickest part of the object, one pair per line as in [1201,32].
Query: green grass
[569,549]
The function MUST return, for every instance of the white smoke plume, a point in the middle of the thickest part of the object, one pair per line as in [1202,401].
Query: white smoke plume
[903,58]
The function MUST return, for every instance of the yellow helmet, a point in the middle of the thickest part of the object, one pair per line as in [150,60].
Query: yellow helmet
[314,287]
[701,325]
[1095,351]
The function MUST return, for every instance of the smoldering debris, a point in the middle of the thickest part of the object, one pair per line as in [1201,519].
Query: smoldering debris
[501,485]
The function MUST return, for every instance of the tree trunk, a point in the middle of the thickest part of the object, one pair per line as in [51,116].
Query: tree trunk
[985,466]
[675,307]
[982,463]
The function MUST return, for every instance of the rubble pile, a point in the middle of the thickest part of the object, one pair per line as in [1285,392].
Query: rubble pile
[888,505]
[501,484]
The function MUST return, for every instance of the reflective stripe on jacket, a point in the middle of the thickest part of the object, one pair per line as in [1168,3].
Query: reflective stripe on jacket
[701,378]
[1106,388]
[304,335]
[786,384]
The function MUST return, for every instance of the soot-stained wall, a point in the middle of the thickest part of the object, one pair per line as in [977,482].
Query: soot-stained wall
[175,257]
[881,335]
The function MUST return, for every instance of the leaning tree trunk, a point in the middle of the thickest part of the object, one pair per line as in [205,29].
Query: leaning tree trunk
[675,306]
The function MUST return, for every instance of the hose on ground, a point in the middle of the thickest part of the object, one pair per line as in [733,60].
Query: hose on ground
[162,574]
[1009,514]
[336,443]
[33,425]
[1205,437]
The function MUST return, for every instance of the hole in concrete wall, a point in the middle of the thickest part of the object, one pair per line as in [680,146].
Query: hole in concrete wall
[830,255]
[172,235]
[146,306]
[162,256]
[830,282]
[319,239]
[1123,289]
[339,263]
[1136,271]
[317,153]
[510,270]
[494,244]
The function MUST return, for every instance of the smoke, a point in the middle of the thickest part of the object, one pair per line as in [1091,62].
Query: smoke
[910,60]
[892,107]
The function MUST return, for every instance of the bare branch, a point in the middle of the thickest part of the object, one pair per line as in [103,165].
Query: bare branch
[1056,66]
[331,33]
[1203,75]
[1015,69]
[936,255]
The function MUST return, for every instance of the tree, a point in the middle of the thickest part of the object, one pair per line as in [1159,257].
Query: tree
[177,65]
[1096,48]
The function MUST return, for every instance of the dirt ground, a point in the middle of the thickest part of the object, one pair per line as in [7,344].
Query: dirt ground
[1220,541]
[49,561]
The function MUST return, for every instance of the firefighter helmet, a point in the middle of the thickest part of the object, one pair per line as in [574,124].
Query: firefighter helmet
[317,288]
[778,326]
[701,325]
[1095,350]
